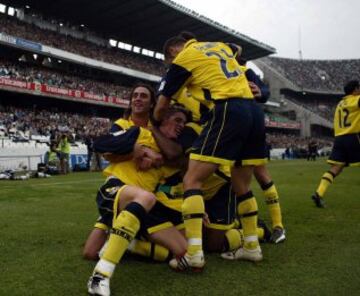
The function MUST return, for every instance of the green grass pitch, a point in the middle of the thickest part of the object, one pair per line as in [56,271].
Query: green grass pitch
[44,223]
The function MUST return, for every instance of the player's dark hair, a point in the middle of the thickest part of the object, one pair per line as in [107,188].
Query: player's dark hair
[180,39]
[175,108]
[187,35]
[128,111]
[351,86]
[241,60]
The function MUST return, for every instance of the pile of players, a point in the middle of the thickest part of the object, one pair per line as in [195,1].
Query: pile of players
[179,174]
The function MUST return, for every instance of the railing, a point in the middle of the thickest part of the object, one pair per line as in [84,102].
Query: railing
[20,162]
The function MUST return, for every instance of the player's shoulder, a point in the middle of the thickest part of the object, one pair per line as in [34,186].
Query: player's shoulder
[124,123]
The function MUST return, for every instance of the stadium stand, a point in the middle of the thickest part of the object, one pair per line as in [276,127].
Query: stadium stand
[103,52]
[319,75]
[23,124]
[21,71]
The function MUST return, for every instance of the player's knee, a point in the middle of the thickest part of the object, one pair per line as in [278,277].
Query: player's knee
[190,181]
[146,199]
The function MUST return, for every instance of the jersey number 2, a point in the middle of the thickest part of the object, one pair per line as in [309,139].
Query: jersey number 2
[223,63]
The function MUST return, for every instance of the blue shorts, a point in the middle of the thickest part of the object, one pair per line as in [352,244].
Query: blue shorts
[221,208]
[234,134]
[346,150]
[105,201]
[161,217]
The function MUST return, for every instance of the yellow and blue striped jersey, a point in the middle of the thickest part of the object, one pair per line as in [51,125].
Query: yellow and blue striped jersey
[210,72]
[347,116]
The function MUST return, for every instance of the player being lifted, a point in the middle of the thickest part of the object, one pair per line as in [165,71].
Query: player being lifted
[346,149]
[232,136]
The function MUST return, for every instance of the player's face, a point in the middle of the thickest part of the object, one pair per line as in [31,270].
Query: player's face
[141,101]
[173,126]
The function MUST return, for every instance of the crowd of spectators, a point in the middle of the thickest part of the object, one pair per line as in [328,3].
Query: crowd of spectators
[38,122]
[324,108]
[296,142]
[17,28]
[25,123]
[23,72]
[320,75]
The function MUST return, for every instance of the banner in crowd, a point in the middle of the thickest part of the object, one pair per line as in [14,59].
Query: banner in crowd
[280,124]
[28,44]
[72,94]
[20,42]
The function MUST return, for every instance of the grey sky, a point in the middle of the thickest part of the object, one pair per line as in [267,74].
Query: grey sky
[330,29]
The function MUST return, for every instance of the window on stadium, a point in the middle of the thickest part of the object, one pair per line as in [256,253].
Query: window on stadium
[121,45]
[159,56]
[147,52]
[2,8]
[127,46]
[112,42]
[11,11]
[136,49]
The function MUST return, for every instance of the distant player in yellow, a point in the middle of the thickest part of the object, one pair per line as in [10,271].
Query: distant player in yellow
[346,149]
[231,136]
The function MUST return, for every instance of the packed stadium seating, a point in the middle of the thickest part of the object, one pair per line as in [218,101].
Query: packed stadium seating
[15,27]
[282,140]
[323,107]
[25,72]
[21,124]
[319,75]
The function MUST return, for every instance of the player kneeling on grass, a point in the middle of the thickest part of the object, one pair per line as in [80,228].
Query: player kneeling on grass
[134,197]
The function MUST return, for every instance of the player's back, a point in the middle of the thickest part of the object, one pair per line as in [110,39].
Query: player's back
[215,74]
[347,116]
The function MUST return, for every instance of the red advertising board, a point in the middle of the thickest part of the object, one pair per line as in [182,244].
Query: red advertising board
[62,92]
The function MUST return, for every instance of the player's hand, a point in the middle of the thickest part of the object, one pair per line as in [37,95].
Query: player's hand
[157,158]
[255,89]
[145,158]
[144,164]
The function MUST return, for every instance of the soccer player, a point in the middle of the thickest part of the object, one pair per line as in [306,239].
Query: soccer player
[210,72]
[346,149]
[142,101]
[134,197]
[261,93]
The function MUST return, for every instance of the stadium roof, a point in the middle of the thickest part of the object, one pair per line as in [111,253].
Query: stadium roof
[144,23]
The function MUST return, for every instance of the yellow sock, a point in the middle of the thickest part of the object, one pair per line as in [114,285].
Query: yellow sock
[124,229]
[148,249]
[234,239]
[247,210]
[260,233]
[193,210]
[326,180]
[272,200]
